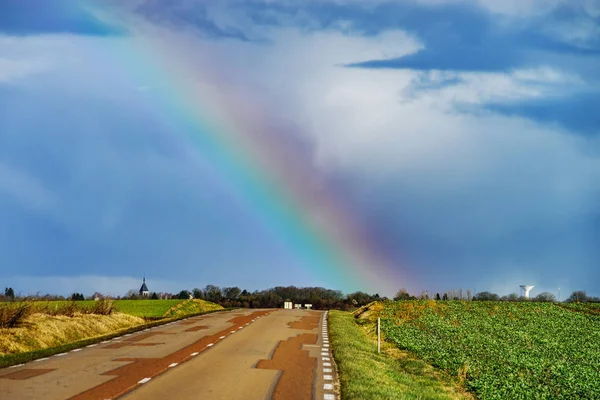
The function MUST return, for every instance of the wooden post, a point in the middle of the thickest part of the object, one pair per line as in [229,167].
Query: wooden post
[378,335]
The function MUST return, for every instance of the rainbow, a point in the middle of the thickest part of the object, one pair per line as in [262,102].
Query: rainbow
[229,128]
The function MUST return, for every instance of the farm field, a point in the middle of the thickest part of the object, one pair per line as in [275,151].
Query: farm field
[146,308]
[503,350]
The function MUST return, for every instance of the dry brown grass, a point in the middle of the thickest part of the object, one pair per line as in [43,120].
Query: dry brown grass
[40,331]
[14,314]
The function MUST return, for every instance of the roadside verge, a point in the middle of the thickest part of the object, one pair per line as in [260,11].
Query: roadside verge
[392,374]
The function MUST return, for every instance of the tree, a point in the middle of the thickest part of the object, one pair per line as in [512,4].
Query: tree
[512,297]
[77,297]
[184,295]
[154,296]
[132,294]
[545,297]
[485,296]
[445,296]
[578,297]
[402,294]
[437,296]
[213,293]
[197,293]
[10,293]
[232,293]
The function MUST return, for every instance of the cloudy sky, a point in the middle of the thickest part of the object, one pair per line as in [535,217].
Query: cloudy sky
[431,144]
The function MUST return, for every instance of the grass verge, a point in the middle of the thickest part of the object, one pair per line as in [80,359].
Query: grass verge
[366,375]
[21,358]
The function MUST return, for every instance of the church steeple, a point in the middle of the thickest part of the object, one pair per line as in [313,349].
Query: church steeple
[144,289]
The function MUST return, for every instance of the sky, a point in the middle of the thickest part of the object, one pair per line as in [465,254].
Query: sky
[351,144]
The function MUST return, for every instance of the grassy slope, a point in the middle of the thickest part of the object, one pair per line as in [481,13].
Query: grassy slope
[194,306]
[44,335]
[366,375]
[42,331]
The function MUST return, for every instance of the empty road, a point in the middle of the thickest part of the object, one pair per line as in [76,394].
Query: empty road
[240,354]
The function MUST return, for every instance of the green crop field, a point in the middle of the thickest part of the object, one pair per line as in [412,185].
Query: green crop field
[146,308]
[504,350]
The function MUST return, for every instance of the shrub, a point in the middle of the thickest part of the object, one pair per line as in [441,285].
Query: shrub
[13,315]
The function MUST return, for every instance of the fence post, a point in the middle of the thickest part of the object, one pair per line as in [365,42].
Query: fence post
[378,335]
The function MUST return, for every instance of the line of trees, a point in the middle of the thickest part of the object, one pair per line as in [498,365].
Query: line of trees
[320,298]
[577,296]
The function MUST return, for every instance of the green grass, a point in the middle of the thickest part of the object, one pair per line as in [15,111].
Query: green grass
[366,375]
[191,307]
[146,308]
[504,350]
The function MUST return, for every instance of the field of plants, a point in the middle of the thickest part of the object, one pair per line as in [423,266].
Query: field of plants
[146,308]
[504,350]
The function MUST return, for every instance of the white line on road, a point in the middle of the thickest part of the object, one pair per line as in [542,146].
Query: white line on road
[75,350]
[221,337]
[194,354]
[327,370]
[42,359]
[324,353]
[173,365]
[15,366]
[328,396]
[60,354]
[328,377]
[326,364]
[210,344]
[144,380]
[325,359]
[328,386]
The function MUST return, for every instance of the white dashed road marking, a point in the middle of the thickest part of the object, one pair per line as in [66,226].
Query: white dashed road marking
[144,380]
[173,365]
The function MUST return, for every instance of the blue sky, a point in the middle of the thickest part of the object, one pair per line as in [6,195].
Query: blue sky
[463,134]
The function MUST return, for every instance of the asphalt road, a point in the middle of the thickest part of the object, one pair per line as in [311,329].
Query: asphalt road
[241,354]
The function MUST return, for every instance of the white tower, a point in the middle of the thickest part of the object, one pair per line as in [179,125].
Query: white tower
[525,289]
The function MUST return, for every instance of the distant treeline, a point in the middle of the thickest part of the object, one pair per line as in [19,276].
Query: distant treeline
[320,298]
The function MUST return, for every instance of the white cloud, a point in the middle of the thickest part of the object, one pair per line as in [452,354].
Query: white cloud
[360,124]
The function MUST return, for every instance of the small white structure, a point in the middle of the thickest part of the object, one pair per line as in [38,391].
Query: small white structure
[308,306]
[287,305]
[525,289]
[297,306]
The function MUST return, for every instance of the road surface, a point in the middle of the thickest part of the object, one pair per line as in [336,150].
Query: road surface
[240,354]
